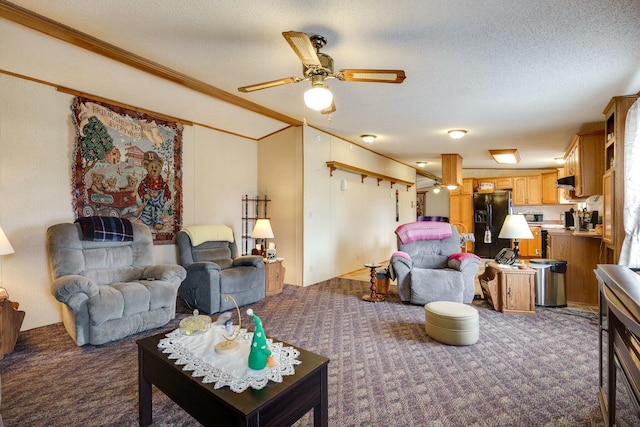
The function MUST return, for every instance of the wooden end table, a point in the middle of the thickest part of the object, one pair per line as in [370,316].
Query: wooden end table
[10,322]
[274,276]
[509,289]
[277,404]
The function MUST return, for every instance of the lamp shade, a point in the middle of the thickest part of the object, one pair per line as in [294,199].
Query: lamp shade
[515,227]
[5,245]
[262,230]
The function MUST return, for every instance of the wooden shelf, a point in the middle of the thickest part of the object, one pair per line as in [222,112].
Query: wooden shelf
[366,174]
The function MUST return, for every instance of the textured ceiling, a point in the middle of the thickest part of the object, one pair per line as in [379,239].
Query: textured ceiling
[515,74]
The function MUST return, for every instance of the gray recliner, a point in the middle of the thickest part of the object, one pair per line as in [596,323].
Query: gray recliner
[432,268]
[215,269]
[110,290]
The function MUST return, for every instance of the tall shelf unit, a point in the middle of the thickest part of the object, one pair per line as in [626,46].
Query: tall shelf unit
[615,114]
[253,208]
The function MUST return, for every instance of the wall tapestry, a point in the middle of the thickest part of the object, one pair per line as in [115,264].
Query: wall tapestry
[128,164]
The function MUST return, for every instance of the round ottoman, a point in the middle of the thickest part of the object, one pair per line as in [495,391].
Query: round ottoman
[452,322]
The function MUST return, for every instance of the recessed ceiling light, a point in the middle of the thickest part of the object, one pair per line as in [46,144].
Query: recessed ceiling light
[457,133]
[368,138]
[421,164]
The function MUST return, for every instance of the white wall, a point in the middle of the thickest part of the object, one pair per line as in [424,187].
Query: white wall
[280,179]
[36,146]
[345,229]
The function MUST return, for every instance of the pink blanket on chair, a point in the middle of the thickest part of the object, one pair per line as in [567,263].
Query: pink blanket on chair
[423,230]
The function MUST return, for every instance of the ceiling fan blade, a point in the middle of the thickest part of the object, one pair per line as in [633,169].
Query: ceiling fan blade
[372,76]
[267,85]
[330,109]
[302,46]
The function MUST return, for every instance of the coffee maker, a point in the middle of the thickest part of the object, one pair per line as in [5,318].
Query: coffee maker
[568,219]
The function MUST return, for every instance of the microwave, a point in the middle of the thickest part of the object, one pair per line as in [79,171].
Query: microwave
[533,217]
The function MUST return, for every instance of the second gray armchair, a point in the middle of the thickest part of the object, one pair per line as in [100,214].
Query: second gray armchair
[210,255]
[429,265]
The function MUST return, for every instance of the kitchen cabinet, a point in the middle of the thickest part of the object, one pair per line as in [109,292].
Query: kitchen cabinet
[527,190]
[503,183]
[615,114]
[550,192]
[585,161]
[531,247]
[465,188]
[461,208]
[607,206]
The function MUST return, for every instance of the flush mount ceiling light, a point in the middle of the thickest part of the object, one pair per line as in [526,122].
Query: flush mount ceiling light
[421,164]
[559,160]
[368,138]
[451,171]
[457,133]
[510,155]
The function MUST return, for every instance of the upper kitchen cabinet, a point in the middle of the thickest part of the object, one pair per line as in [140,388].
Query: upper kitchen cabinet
[527,190]
[584,160]
[550,193]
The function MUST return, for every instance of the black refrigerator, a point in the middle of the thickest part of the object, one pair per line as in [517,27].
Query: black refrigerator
[489,213]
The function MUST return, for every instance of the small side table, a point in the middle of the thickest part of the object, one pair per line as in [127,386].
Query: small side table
[10,322]
[274,277]
[510,290]
[374,296]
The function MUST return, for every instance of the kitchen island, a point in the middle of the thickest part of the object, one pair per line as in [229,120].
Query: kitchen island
[583,251]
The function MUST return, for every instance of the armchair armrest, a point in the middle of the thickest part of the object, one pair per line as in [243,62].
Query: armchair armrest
[248,261]
[402,258]
[65,287]
[166,272]
[461,261]
[203,266]
[400,264]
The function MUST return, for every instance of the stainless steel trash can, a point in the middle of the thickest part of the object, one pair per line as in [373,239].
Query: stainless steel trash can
[550,282]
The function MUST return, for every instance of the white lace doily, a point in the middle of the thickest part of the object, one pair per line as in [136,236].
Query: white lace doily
[197,353]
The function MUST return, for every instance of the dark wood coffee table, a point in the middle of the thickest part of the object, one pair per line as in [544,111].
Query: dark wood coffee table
[277,404]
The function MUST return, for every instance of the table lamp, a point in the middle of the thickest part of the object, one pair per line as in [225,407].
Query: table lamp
[5,247]
[262,230]
[515,227]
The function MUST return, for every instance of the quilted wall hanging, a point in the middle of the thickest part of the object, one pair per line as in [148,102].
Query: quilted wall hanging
[127,164]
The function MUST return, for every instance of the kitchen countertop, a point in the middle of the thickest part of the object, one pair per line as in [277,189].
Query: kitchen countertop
[565,232]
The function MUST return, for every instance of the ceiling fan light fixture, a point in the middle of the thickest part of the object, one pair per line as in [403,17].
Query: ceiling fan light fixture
[318,98]
[368,138]
[457,133]
[508,156]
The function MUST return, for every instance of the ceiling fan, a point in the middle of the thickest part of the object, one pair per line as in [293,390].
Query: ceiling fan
[318,67]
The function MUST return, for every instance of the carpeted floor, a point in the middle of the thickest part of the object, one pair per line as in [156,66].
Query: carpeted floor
[384,370]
